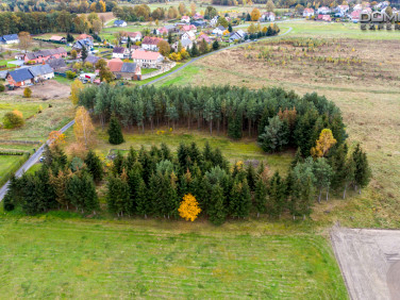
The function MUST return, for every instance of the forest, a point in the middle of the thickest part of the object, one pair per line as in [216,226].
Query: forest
[277,118]
[154,182]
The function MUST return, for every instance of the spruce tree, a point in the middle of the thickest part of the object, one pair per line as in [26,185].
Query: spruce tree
[91,201]
[216,212]
[362,172]
[260,197]
[143,205]
[323,175]
[84,53]
[118,196]
[251,177]
[118,164]
[115,132]
[94,166]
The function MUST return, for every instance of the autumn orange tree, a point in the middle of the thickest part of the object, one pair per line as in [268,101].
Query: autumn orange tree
[57,137]
[76,87]
[189,208]
[83,127]
[255,14]
[324,143]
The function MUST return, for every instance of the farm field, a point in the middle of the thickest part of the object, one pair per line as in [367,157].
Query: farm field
[366,89]
[46,257]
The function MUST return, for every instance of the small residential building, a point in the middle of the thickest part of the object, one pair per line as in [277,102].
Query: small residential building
[84,36]
[147,59]
[204,37]
[162,31]
[323,10]
[79,44]
[188,36]
[171,28]
[308,12]
[20,77]
[130,71]
[198,16]
[41,72]
[115,65]
[187,28]
[44,55]
[355,16]
[239,35]
[57,64]
[268,17]
[9,39]
[326,18]
[120,23]
[150,43]
[58,39]
[214,21]
[92,59]
[218,31]
[134,36]
[200,24]
[187,44]
[185,19]
[121,52]
[342,10]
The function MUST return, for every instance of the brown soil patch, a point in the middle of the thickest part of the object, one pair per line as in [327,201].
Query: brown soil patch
[50,89]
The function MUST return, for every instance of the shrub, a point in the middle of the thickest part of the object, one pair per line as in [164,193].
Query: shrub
[2,87]
[70,74]
[27,92]
[13,119]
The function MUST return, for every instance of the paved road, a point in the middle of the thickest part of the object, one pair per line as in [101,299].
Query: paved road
[33,159]
[211,53]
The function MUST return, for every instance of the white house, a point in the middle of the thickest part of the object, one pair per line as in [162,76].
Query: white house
[134,36]
[323,10]
[120,23]
[214,21]
[41,72]
[185,19]
[9,39]
[268,16]
[147,59]
[188,36]
[187,44]
[219,30]
[308,12]
[120,52]
[150,43]
[239,35]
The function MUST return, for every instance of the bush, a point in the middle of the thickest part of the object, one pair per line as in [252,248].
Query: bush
[70,74]
[27,92]
[2,87]
[13,120]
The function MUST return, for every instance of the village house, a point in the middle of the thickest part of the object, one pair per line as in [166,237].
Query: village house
[84,36]
[341,10]
[147,59]
[150,43]
[115,65]
[323,10]
[326,18]
[198,16]
[134,36]
[87,43]
[204,37]
[187,28]
[120,52]
[214,21]
[9,39]
[20,77]
[92,59]
[239,35]
[308,12]
[120,23]
[218,31]
[171,28]
[129,71]
[162,31]
[268,17]
[44,55]
[58,39]
[187,44]
[57,64]
[41,72]
[185,19]
[188,36]
[201,24]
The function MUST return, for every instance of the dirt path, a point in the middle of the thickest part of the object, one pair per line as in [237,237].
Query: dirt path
[370,262]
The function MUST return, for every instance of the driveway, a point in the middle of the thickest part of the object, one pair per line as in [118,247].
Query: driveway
[370,262]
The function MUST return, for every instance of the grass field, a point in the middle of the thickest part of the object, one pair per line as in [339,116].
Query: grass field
[50,258]
[7,163]
[26,107]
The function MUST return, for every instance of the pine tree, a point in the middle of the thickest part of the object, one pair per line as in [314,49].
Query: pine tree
[118,196]
[349,174]
[240,199]
[143,205]
[115,132]
[260,196]
[276,196]
[323,175]
[230,28]
[84,53]
[251,177]
[94,166]
[130,159]
[298,158]
[194,51]
[118,164]
[217,211]
[91,201]
[362,172]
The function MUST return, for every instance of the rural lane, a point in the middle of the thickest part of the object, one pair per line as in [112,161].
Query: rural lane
[35,157]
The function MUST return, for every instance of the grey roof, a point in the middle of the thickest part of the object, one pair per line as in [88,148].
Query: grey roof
[186,42]
[10,37]
[170,27]
[87,43]
[222,28]
[46,52]
[41,70]
[128,68]
[56,63]
[118,22]
[3,74]
[92,59]
[119,50]
[21,74]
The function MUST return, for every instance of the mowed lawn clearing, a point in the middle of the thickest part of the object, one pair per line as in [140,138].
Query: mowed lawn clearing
[50,258]
[7,163]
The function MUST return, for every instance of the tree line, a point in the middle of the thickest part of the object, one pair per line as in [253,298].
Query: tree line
[153,183]
[279,119]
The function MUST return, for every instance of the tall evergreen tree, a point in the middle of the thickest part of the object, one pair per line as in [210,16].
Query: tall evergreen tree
[94,166]
[260,196]
[216,212]
[362,172]
[115,132]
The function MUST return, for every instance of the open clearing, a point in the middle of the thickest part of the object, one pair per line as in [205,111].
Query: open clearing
[47,258]
[367,93]
[50,89]
[370,261]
